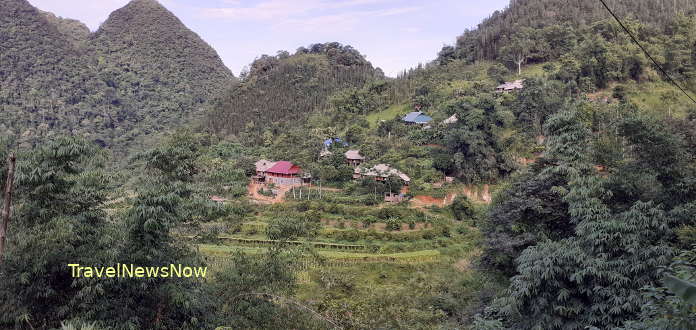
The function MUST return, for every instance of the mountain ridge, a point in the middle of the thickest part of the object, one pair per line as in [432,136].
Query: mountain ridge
[142,72]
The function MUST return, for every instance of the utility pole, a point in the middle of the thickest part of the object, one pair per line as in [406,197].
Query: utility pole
[6,211]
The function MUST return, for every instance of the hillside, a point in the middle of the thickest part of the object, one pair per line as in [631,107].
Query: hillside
[141,73]
[157,69]
[43,77]
[75,31]
[283,90]
[536,31]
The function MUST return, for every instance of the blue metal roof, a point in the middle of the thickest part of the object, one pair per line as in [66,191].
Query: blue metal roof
[330,142]
[417,117]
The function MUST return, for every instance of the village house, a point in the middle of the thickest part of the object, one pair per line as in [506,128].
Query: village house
[330,142]
[416,118]
[261,167]
[451,120]
[510,86]
[354,158]
[284,173]
[380,172]
[279,173]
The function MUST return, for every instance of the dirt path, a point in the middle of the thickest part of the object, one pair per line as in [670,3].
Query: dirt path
[257,197]
[253,192]
[473,193]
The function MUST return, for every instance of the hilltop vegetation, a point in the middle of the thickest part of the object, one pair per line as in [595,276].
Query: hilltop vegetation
[591,48]
[127,81]
[279,91]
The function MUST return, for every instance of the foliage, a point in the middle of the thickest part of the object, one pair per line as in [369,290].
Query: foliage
[129,80]
[59,220]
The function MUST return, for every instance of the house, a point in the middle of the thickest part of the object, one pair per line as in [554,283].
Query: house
[261,167]
[394,198]
[284,173]
[510,86]
[325,153]
[330,142]
[354,157]
[416,118]
[380,172]
[451,120]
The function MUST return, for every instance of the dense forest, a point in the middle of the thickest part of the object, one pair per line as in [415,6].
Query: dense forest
[569,203]
[129,80]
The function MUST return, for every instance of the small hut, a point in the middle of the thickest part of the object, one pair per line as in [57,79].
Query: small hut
[510,86]
[380,172]
[354,158]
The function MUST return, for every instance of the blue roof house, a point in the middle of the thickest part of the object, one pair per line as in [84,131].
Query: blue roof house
[329,142]
[417,118]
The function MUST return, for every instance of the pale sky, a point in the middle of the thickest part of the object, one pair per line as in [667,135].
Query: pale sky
[393,34]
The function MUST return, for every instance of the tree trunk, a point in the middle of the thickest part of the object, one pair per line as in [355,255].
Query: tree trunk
[6,210]
[519,67]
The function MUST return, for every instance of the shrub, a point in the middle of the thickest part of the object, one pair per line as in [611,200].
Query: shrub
[462,229]
[462,208]
[393,224]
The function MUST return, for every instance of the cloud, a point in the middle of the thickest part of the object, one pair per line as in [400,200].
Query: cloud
[309,15]
[282,10]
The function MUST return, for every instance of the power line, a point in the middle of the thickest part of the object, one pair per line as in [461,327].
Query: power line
[646,52]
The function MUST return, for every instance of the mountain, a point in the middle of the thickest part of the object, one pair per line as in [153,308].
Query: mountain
[284,89]
[485,42]
[42,74]
[74,30]
[155,64]
[142,72]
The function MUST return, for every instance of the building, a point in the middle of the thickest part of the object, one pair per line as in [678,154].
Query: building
[417,117]
[261,167]
[380,172]
[354,158]
[325,153]
[394,198]
[284,173]
[330,142]
[451,120]
[510,86]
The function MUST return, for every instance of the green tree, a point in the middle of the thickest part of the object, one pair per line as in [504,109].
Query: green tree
[59,219]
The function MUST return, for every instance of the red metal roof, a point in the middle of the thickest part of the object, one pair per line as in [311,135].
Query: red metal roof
[284,167]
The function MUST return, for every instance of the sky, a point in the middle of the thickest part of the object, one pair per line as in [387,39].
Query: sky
[392,34]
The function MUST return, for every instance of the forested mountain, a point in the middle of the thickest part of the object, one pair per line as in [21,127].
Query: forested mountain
[154,68]
[141,73]
[284,89]
[542,30]
[74,30]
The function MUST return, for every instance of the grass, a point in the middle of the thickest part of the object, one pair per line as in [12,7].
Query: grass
[648,97]
[223,250]
[387,114]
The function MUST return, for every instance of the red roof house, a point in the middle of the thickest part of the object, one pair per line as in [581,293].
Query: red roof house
[284,168]
[284,173]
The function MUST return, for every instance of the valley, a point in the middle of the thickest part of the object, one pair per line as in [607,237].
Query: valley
[539,173]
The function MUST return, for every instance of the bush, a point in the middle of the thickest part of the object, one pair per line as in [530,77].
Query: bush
[462,208]
[393,224]
[462,229]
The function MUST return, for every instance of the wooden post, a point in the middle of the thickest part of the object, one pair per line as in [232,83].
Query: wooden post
[6,211]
